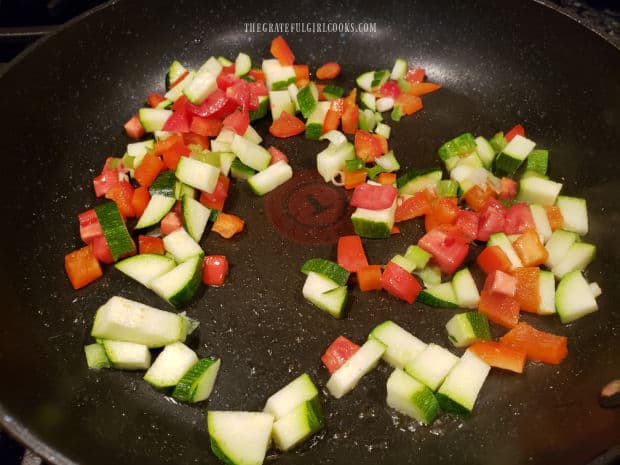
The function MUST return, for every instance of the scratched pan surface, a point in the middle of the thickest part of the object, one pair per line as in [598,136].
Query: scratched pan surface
[63,104]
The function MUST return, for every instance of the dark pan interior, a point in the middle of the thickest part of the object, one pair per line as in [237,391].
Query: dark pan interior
[63,105]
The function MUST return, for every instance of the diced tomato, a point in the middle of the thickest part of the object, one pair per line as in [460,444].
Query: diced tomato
[89,226]
[181,104]
[239,92]
[519,219]
[527,288]
[349,119]
[493,258]
[467,223]
[538,345]
[286,125]
[508,188]
[554,215]
[373,197]
[238,121]
[140,200]
[499,308]
[209,127]
[422,88]
[191,138]
[107,178]
[330,70]
[386,178]
[216,199]
[148,169]
[369,278]
[399,283]
[257,75]
[277,155]
[499,355]
[302,72]
[227,225]
[518,129]
[419,204]
[350,253]
[408,103]
[230,69]
[414,75]
[531,251]
[281,50]
[389,89]
[339,351]
[151,244]
[225,80]
[122,194]
[179,121]
[171,222]
[101,249]
[499,282]
[154,99]
[367,146]
[179,79]
[354,178]
[258,88]
[448,250]
[82,267]
[444,210]
[476,196]
[492,218]
[133,127]
[216,104]
[214,270]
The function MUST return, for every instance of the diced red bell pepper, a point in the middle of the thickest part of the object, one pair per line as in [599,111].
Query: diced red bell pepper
[90,228]
[508,188]
[467,223]
[140,200]
[179,121]
[519,219]
[354,178]
[530,249]
[238,121]
[528,288]
[500,355]
[444,210]
[281,50]
[408,104]
[277,155]
[492,219]
[399,283]
[554,215]
[368,147]
[339,351]
[257,75]
[332,118]
[422,88]
[133,127]
[349,119]
[122,194]
[191,138]
[330,70]
[539,345]
[500,309]
[476,196]
[419,204]
[350,253]
[287,125]
[151,244]
[216,199]
[214,270]
[148,169]
[516,130]
[154,99]
[369,278]
[302,72]
[499,282]
[209,127]
[414,75]
[386,178]
[171,222]
[449,250]
[493,258]
[374,197]
[227,225]
[82,267]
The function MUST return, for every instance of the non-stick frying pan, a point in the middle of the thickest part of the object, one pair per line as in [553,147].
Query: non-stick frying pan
[63,104]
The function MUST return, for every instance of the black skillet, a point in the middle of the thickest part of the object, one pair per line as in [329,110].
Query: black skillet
[63,104]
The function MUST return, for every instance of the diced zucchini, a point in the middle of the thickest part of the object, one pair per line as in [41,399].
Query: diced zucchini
[538,190]
[202,176]
[465,289]
[298,425]
[345,378]
[295,393]
[158,207]
[239,438]
[557,246]
[432,365]
[253,155]
[537,161]
[332,92]
[372,80]
[384,130]
[277,77]
[243,64]
[332,160]
[448,188]
[546,286]
[368,101]
[174,93]
[163,184]
[388,162]
[271,177]
[459,391]
[197,383]
[279,101]
[239,170]
[175,71]
[418,256]
[400,344]
[574,213]
[171,365]
[96,357]
[574,298]
[114,230]
[485,152]
[325,294]
[466,328]
[127,355]
[498,142]
[204,81]
[153,119]
[374,224]
[417,180]
[408,396]
[403,262]
[314,123]
[145,267]
[501,240]
[260,112]
[307,99]
[180,284]
[430,275]
[399,69]
[515,152]
[440,295]
[181,245]
[541,220]
[328,269]
[457,147]
[578,256]
[194,216]
[366,120]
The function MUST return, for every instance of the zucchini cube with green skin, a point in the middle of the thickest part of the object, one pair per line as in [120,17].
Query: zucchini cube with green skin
[181,245]
[374,224]
[408,396]
[515,152]
[466,328]
[332,160]
[298,425]
[253,155]
[127,355]
[145,267]
[122,319]
[325,293]
[197,174]
[400,344]
[295,393]
[557,246]
[158,207]
[457,147]
[96,357]
[574,298]
[459,391]
[574,213]
[577,257]
[239,437]
[171,365]
[417,180]
[440,295]
[432,365]
[465,289]
[533,189]
[277,77]
[179,285]
[197,383]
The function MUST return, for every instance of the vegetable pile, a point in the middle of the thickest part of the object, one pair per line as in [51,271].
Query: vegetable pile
[160,199]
